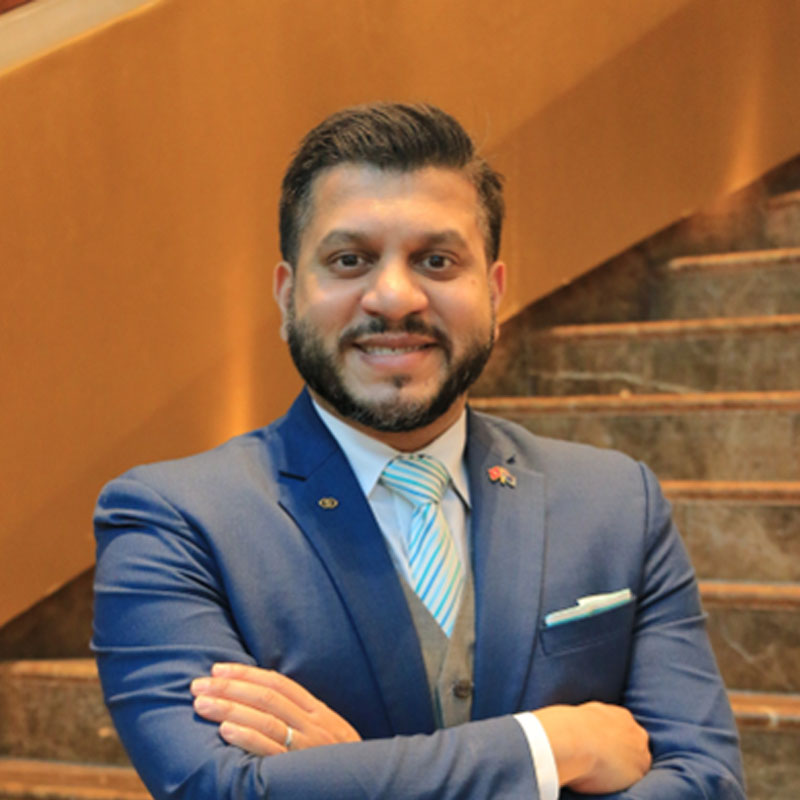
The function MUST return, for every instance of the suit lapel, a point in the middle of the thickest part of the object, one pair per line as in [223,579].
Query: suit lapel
[508,553]
[320,492]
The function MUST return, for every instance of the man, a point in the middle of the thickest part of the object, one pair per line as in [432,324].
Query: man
[384,594]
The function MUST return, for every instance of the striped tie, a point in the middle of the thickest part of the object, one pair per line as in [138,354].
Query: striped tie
[433,561]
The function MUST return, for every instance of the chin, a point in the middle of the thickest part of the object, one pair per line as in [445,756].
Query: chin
[395,412]
[390,397]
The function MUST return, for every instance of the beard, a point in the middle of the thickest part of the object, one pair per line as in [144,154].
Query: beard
[319,369]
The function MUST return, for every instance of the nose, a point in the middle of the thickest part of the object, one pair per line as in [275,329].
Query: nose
[395,291]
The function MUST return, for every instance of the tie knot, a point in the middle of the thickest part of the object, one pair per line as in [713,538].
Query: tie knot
[418,478]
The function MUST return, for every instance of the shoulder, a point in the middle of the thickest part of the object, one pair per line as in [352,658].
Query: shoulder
[251,460]
[544,454]
[240,466]
[572,473]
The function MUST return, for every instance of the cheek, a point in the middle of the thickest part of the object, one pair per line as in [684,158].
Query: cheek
[467,309]
[329,310]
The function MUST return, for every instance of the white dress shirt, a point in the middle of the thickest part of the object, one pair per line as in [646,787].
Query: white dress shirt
[368,457]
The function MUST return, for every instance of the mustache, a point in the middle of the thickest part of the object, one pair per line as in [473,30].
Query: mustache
[410,324]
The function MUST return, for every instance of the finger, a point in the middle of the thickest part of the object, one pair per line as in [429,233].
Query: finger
[270,679]
[256,696]
[250,740]
[266,691]
[216,709]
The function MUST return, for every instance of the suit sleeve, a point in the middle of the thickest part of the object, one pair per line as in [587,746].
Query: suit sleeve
[162,619]
[674,688]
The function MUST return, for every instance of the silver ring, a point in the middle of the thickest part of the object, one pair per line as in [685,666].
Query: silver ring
[287,742]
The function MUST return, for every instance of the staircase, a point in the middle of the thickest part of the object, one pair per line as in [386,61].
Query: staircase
[56,736]
[684,352]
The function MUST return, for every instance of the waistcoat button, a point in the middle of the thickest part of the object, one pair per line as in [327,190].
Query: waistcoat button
[462,689]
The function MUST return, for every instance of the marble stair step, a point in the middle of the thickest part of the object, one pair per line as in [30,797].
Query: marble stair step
[782,220]
[769,725]
[34,697]
[30,779]
[766,711]
[745,284]
[739,530]
[628,286]
[724,436]
[696,355]
[58,626]
[755,632]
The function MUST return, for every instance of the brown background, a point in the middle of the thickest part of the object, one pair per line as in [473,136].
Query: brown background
[141,150]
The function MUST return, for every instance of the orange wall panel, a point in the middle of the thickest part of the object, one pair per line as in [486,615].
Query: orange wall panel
[139,168]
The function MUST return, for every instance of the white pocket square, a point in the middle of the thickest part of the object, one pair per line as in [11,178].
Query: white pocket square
[588,606]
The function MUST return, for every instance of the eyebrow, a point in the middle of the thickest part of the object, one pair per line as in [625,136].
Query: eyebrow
[448,237]
[341,236]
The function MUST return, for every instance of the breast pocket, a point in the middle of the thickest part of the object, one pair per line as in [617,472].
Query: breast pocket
[586,659]
[588,631]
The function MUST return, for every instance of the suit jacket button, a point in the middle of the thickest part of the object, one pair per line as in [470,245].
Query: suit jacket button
[462,689]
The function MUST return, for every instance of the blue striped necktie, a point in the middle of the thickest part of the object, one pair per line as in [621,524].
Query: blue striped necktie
[435,567]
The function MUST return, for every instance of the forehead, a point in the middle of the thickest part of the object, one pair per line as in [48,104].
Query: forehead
[361,196]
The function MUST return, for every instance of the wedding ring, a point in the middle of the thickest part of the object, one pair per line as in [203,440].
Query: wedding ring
[287,742]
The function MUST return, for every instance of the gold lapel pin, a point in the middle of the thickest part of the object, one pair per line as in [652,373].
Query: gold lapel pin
[327,502]
[502,476]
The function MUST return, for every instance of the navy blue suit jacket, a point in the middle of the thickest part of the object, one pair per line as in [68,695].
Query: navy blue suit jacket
[229,556]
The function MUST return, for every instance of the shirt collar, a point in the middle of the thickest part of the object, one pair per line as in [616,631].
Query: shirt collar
[368,456]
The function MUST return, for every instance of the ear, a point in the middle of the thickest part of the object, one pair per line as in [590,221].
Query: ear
[497,288]
[282,283]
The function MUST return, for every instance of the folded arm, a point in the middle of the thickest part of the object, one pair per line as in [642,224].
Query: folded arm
[598,748]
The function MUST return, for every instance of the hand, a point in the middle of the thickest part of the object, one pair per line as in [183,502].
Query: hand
[598,748]
[255,708]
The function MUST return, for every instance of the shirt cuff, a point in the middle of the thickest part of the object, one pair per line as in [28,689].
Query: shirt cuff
[544,763]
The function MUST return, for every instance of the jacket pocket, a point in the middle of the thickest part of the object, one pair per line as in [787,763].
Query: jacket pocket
[589,631]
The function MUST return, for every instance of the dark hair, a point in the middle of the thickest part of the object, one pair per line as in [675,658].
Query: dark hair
[391,136]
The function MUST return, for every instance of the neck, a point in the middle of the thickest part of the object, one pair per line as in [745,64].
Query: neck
[405,441]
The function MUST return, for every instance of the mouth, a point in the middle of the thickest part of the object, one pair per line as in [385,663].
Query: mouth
[383,350]
[400,345]
[396,355]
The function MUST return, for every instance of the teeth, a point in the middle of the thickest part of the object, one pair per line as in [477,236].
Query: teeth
[389,351]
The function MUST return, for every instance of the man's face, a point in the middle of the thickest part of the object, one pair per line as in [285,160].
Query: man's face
[390,309]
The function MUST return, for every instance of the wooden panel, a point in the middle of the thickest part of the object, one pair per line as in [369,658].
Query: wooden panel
[139,169]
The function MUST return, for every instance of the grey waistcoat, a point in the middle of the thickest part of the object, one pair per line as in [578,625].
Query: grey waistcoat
[448,662]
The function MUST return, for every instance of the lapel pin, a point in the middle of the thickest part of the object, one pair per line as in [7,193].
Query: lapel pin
[502,476]
[327,502]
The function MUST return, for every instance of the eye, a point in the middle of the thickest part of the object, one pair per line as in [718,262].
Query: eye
[437,261]
[348,262]
[348,259]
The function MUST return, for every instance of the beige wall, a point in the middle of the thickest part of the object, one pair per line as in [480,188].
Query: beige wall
[138,170]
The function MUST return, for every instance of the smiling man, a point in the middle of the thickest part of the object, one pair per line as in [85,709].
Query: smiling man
[384,594]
